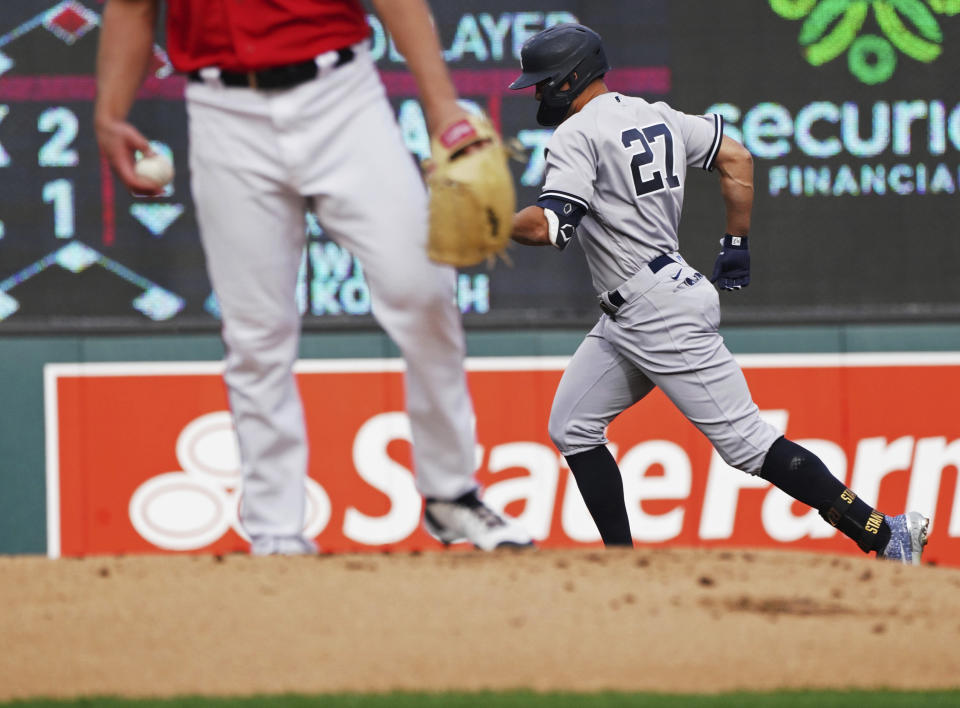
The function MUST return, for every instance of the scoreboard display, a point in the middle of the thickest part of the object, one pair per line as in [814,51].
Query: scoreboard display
[855,136]
[78,251]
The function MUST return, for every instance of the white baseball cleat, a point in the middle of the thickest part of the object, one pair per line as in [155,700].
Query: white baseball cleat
[469,519]
[908,536]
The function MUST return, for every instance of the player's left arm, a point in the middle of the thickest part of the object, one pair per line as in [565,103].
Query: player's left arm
[707,147]
[733,162]
[735,166]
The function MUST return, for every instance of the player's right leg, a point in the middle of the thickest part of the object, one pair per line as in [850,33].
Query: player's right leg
[597,385]
[252,230]
[671,333]
[369,197]
[802,475]
[717,400]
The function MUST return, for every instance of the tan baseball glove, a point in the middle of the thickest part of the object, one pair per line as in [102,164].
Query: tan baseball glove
[472,199]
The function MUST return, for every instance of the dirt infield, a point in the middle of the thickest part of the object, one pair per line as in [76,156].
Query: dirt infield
[664,620]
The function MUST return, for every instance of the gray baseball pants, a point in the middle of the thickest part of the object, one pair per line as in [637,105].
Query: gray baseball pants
[665,334]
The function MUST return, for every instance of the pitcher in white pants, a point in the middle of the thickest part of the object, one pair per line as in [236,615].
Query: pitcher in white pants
[266,144]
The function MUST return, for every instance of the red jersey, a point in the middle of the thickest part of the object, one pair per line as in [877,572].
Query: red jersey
[245,35]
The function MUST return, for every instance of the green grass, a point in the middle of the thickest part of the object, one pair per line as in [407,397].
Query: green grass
[802,699]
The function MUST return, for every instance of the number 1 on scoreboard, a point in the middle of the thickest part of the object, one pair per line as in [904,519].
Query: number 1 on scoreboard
[60,194]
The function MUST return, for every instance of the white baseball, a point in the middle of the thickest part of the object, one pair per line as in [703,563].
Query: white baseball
[155,168]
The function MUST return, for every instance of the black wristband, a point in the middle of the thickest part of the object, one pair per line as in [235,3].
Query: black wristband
[734,241]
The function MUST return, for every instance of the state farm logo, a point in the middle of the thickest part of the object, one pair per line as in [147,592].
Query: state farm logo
[162,470]
[196,505]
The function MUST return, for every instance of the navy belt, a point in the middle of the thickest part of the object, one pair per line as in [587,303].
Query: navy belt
[277,77]
[611,301]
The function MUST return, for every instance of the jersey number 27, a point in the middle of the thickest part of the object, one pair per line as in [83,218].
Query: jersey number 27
[645,136]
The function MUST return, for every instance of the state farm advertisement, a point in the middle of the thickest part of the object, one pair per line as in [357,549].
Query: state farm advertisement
[142,457]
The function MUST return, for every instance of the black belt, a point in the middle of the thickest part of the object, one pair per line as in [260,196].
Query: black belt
[611,301]
[277,77]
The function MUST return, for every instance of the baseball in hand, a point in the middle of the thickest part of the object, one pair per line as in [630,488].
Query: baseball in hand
[155,168]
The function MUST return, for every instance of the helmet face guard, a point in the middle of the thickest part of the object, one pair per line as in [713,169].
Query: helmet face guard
[563,54]
[555,101]
[552,115]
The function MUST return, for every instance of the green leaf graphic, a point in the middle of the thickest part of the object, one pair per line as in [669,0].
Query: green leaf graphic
[919,15]
[945,7]
[822,17]
[793,9]
[836,42]
[901,37]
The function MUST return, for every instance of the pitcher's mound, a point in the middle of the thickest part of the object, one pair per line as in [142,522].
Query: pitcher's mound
[690,620]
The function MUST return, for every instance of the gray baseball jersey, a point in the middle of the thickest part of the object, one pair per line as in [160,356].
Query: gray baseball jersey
[623,161]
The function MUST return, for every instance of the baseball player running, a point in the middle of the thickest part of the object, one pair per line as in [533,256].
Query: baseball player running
[287,113]
[615,175]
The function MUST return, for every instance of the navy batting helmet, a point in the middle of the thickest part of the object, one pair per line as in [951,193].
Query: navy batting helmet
[563,53]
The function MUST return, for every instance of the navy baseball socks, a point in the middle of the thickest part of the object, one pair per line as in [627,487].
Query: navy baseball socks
[791,468]
[802,475]
[601,487]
